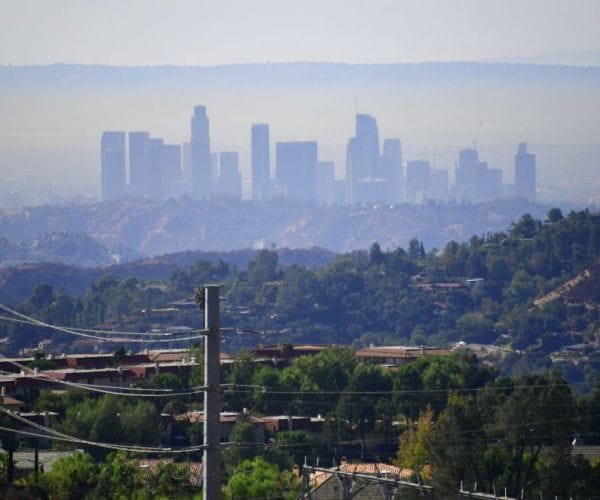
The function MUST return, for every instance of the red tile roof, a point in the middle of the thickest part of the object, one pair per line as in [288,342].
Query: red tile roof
[318,478]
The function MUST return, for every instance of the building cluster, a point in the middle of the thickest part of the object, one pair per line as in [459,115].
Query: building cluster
[136,164]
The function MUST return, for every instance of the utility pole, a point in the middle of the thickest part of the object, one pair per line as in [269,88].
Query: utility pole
[211,468]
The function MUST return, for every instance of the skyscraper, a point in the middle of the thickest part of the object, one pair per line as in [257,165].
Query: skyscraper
[139,149]
[325,182]
[525,173]
[362,158]
[418,179]
[296,164]
[230,178]
[112,165]
[170,169]
[391,168]
[200,153]
[468,159]
[153,178]
[367,136]
[261,166]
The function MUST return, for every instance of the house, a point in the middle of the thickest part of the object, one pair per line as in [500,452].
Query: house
[286,353]
[391,356]
[25,460]
[11,403]
[357,481]
[283,423]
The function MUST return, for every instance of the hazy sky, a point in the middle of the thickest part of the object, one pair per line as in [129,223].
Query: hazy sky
[202,32]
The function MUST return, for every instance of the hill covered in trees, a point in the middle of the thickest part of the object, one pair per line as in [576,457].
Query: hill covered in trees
[481,291]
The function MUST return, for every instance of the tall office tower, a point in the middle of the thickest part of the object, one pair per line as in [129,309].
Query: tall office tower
[480,187]
[525,175]
[355,169]
[418,179]
[341,192]
[261,165]
[214,171]
[362,157]
[112,165]
[170,169]
[200,153]
[367,135]
[153,186]
[494,183]
[438,185]
[295,169]
[186,161]
[391,168]
[465,173]
[139,150]
[230,178]
[325,179]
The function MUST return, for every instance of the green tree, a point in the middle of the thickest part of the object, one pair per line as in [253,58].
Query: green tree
[71,478]
[413,451]
[259,479]
[263,268]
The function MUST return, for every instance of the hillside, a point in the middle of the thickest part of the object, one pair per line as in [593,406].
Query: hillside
[18,282]
[481,291]
[582,289]
[149,228]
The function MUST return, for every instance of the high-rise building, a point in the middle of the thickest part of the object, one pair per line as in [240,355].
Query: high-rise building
[153,179]
[139,150]
[201,174]
[112,165]
[170,169]
[494,183]
[391,168]
[261,165]
[230,178]
[525,173]
[325,182]
[362,158]
[367,135]
[186,161]
[468,159]
[296,164]
[355,170]
[418,179]
[438,184]
[480,182]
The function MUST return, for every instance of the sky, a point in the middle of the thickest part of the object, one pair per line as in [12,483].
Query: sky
[206,33]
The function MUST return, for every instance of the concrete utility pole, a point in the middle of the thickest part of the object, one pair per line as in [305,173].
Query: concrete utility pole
[211,468]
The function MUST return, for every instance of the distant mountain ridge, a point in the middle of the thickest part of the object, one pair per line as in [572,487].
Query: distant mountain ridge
[77,75]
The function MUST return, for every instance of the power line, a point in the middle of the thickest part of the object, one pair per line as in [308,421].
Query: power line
[416,391]
[133,448]
[188,336]
[116,390]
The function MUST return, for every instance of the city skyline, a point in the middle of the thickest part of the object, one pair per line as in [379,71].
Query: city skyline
[374,169]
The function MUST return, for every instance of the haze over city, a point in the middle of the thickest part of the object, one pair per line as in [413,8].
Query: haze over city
[319,249]
[58,112]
